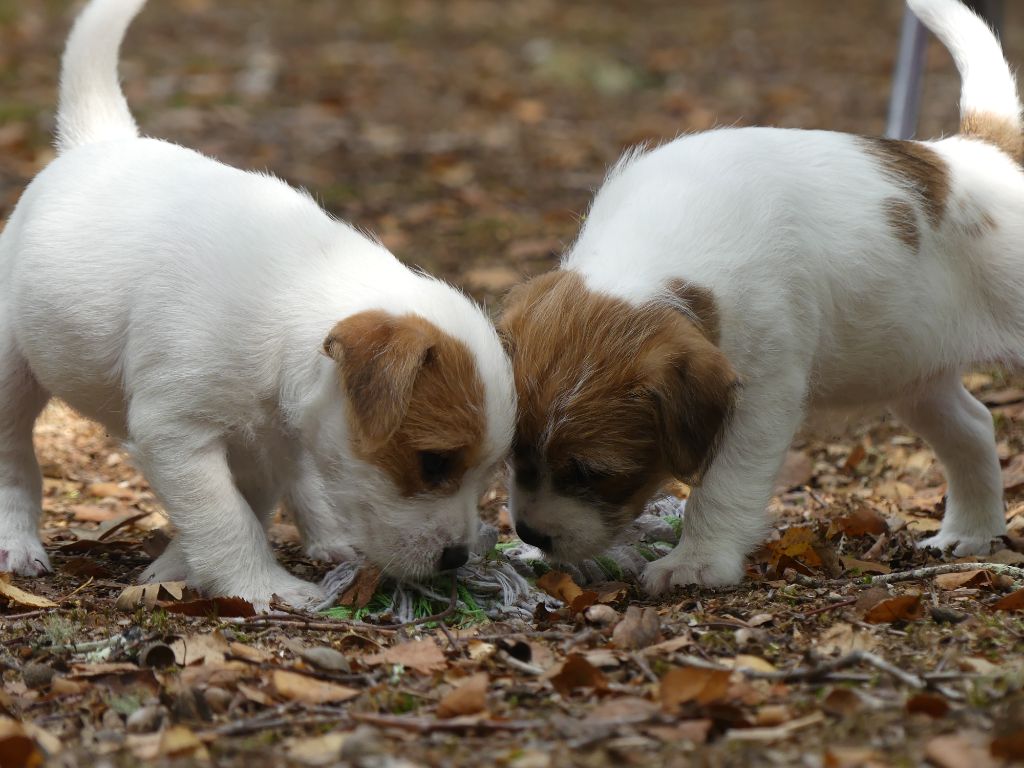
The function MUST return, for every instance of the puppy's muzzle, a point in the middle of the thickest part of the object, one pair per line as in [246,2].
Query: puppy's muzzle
[454,557]
[535,538]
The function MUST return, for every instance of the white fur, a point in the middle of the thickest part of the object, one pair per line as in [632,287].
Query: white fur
[821,303]
[183,303]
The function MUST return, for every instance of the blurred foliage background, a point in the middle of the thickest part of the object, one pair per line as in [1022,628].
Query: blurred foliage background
[468,134]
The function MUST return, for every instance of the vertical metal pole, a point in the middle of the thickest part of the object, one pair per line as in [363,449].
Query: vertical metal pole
[908,77]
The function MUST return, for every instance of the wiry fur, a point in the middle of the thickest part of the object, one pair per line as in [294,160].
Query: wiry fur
[844,272]
[185,304]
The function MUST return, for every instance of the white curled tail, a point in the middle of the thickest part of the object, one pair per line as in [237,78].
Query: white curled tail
[989,106]
[92,107]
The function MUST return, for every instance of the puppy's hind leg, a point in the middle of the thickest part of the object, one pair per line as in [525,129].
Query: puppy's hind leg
[21,400]
[959,429]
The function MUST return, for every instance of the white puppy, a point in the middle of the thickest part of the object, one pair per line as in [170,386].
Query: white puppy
[249,347]
[726,282]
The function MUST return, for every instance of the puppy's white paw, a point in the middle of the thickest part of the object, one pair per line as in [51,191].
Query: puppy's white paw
[331,552]
[23,554]
[688,567]
[169,566]
[962,545]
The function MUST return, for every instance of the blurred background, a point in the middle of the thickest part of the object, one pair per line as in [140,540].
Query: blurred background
[468,134]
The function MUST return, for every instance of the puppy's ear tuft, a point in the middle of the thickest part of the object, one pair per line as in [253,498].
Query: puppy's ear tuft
[695,391]
[380,356]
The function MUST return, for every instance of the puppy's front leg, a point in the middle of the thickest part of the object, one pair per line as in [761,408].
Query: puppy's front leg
[725,516]
[225,549]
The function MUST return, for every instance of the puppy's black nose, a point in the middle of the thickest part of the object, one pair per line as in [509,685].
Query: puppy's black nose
[530,536]
[454,557]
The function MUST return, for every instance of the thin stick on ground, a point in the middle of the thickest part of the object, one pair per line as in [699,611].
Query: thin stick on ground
[937,570]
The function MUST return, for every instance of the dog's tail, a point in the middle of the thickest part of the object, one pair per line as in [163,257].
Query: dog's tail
[92,107]
[990,109]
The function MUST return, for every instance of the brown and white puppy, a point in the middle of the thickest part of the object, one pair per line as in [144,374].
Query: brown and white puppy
[728,281]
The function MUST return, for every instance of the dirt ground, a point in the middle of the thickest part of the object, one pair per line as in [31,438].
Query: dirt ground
[469,135]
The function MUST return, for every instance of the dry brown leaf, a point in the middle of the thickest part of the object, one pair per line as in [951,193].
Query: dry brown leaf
[979,578]
[149,594]
[1008,745]
[560,586]
[17,748]
[224,607]
[359,594]
[1012,602]
[309,690]
[639,628]
[931,704]
[466,698]
[420,655]
[13,594]
[682,684]
[862,521]
[577,672]
[959,750]
[901,608]
[864,566]
[797,470]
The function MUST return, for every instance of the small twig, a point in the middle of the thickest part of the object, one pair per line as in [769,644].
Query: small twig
[830,607]
[937,570]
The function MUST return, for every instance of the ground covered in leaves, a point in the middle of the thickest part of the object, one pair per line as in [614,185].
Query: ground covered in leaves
[468,136]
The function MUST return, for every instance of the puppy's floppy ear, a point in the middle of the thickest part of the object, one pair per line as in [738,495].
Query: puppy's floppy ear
[380,355]
[694,390]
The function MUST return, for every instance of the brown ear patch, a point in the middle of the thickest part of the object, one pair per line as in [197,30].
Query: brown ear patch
[917,167]
[416,400]
[994,129]
[613,398]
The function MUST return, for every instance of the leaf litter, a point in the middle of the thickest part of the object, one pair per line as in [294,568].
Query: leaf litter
[785,669]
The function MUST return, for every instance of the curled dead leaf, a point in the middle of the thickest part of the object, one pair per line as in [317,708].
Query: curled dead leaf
[901,608]
[683,684]
[577,672]
[466,698]
[639,628]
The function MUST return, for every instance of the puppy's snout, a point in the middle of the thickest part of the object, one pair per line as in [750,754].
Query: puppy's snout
[534,538]
[454,557]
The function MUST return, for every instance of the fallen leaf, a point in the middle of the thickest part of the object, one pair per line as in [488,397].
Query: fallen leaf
[901,608]
[842,702]
[682,684]
[931,704]
[1012,602]
[13,594]
[797,470]
[224,607]
[577,672]
[864,566]
[639,628]
[17,748]
[1008,746]
[420,655]
[862,521]
[149,595]
[466,698]
[309,690]
[958,750]
[978,578]
[362,589]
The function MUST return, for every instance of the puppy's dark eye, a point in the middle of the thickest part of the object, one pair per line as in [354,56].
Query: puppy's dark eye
[436,466]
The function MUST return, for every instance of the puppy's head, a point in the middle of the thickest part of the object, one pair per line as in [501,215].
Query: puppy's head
[427,417]
[614,400]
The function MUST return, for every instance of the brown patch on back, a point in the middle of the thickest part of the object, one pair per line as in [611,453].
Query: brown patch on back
[902,219]
[411,388]
[614,399]
[994,129]
[918,167]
